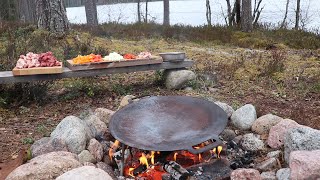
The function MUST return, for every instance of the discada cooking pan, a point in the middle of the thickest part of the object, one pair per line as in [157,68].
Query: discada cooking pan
[169,123]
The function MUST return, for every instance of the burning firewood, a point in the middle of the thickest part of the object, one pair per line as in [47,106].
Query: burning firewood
[176,171]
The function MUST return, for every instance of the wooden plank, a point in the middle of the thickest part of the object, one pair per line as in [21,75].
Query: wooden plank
[6,77]
[37,70]
[112,64]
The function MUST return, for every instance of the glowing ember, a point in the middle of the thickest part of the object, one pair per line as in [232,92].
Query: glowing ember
[151,165]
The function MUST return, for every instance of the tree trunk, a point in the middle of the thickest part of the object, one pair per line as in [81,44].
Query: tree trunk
[208,12]
[139,11]
[146,17]
[27,11]
[166,13]
[8,10]
[246,16]
[296,27]
[51,15]
[238,12]
[91,12]
[285,15]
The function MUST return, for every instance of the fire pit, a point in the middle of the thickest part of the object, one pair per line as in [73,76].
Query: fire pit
[168,132]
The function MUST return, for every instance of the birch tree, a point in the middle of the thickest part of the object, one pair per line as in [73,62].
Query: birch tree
[139,10]
[283,24]
[51,15]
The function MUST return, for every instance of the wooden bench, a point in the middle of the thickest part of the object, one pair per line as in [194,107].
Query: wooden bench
[6,77]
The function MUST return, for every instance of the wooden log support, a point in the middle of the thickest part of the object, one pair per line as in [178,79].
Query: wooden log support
[6,77]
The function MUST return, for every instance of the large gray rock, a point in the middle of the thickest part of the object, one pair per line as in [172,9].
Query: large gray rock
[96,149]
[107,168]
[264,123]
[85,173]
[244,117]
[104,114]
[228,109]
[252,142]
[177,79]
[47,166]
[86,156]
[73,132]
[47,145]
[277,132]
[97,127]
[301,138]
[283,174]
[305,165]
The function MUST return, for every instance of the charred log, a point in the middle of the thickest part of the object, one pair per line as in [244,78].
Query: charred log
[176,171]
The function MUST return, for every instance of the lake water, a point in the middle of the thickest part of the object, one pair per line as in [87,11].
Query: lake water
[193,12]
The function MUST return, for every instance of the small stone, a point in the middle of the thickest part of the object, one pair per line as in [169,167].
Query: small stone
[126,100]
[237,139]
[46,145]
[277,132]
[228,135]
[88,164]
[86,156]
[263,124]
[85,173]
[270,175]
[244,117]
[213,90]
[274,154]
[301,138]
[252,142]
[228,109]
[104,114]
[245,174]
[267,165]
[96,149]
[46,166]
[305,164]
[177,79]
[283,174]
[188,89]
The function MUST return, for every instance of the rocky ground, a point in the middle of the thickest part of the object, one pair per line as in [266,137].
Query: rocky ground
[288,88]
[265,147]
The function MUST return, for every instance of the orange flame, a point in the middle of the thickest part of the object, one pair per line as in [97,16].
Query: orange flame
[131,172]
[152,157]
[219,151]
[175,156]
[113,148]
[143,160]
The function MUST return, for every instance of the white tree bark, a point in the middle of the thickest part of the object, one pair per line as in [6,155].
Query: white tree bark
[51,15]
[91,12]
[208,13]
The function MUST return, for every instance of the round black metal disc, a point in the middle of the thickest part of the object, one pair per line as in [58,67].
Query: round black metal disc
[167,123]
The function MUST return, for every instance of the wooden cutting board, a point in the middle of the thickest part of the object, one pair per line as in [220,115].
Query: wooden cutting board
[37,70]
[113,64]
